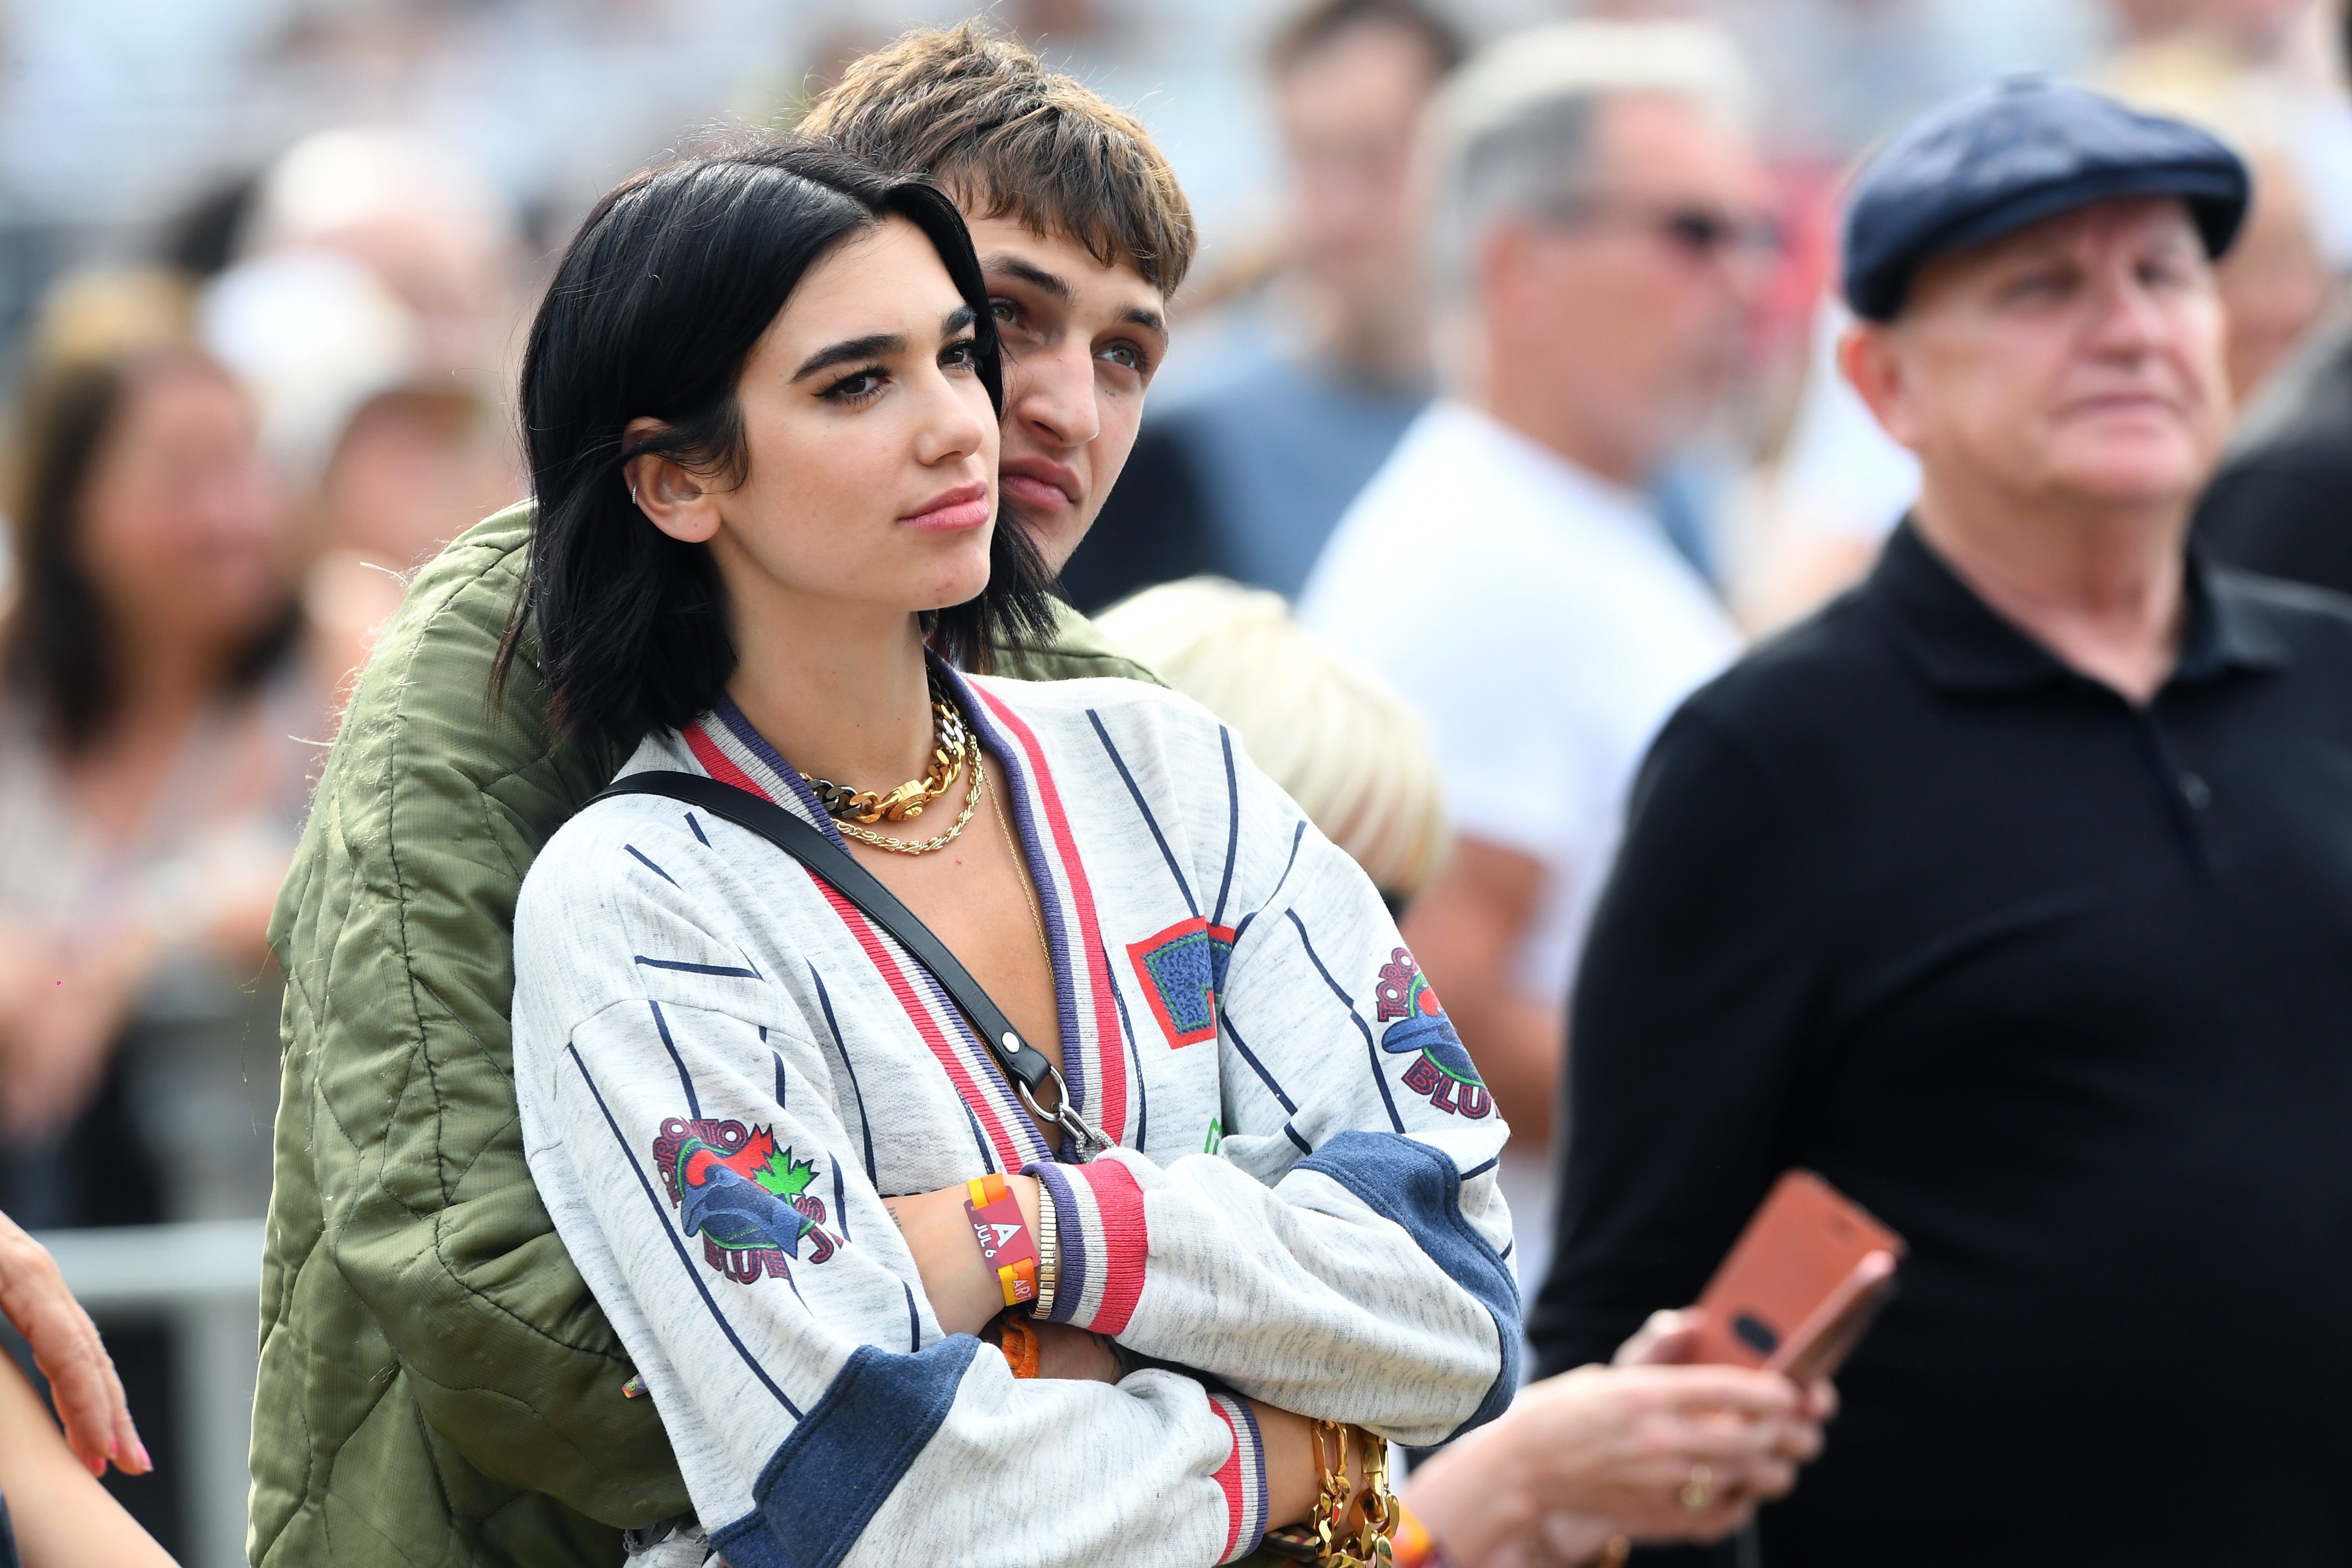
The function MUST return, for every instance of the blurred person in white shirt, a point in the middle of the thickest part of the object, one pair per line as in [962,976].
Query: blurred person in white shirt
[1601,230]
[1304,361]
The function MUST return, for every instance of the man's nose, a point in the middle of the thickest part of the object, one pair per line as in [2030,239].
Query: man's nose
[1053,395]
[2127,316]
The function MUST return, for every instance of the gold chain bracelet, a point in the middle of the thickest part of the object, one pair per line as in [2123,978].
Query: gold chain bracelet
[1369,1545]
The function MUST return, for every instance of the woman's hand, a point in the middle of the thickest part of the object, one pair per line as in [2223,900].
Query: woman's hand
[1671,1339]
[67,1349]
[961,1286]
[1657,1452]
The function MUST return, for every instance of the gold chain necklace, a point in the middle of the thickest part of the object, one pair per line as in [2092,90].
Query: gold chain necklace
[950,743]
[906,846]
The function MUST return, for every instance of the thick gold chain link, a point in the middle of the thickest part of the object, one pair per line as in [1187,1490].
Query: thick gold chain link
[950,744]
[1370,1546]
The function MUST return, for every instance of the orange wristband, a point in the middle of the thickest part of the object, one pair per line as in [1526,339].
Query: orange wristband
[1003,1236]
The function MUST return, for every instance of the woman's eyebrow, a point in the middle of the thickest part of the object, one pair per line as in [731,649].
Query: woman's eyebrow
[874,345]
[958,319]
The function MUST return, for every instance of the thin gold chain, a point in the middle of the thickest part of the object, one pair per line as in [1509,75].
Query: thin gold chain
[904,847]
[1021,873]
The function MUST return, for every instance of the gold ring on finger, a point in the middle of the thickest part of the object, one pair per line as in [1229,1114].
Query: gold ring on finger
[1699,1490]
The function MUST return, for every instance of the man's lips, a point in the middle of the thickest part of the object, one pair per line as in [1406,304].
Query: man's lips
[1038,481]
[951,511]
[2105,403]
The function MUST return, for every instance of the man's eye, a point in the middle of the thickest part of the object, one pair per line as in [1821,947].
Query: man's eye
[1127,356]
[1004,310]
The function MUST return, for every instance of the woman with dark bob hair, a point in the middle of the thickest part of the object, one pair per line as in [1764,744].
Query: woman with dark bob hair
[1231,1216]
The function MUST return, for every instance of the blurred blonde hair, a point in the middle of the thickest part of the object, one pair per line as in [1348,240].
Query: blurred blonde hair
[1349,750]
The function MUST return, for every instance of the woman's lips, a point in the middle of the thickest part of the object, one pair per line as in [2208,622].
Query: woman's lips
[965,507]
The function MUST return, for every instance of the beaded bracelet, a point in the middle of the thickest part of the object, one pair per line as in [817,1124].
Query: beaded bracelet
[1003,1236]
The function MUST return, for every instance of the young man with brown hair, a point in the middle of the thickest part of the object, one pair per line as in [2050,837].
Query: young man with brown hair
[437,1383]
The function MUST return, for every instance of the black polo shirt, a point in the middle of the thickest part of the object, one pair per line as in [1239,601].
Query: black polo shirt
[2059,987]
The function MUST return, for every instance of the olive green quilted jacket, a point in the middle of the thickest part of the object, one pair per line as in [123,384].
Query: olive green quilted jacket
[437,1385]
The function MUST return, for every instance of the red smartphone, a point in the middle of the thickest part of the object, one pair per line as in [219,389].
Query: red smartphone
[1801,1284]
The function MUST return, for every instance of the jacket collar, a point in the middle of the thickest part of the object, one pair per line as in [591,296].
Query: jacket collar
[1962,644]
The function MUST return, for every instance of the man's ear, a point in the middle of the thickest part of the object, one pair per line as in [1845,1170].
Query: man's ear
[670,497]
[1871,356]
[1501,261]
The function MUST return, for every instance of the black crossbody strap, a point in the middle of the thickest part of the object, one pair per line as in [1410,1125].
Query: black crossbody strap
[1022,1063]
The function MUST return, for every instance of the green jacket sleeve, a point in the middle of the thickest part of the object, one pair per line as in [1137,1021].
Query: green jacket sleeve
[437,1385]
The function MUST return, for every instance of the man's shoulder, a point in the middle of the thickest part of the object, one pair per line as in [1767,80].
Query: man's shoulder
[1078,652]
[428,761]
[428,680]
[1800,678]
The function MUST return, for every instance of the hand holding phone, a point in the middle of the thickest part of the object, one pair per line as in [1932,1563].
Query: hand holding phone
[1797,1290]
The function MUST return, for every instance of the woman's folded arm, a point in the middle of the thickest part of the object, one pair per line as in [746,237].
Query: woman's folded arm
[1342,1253]
[693,1164]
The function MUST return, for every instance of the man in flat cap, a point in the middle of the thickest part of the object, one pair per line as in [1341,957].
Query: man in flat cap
[2013,893]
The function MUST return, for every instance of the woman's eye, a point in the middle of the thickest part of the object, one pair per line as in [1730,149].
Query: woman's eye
[860,386]
[963,354]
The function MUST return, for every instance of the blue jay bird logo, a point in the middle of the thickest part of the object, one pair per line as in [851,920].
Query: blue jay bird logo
[748,1200]
[1445,1072]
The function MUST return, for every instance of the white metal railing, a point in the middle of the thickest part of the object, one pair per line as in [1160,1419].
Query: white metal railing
[204,1280]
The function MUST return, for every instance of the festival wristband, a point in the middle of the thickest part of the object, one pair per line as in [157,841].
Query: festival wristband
[1003,1236]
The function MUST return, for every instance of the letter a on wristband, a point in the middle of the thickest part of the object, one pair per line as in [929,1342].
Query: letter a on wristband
[1003,1236]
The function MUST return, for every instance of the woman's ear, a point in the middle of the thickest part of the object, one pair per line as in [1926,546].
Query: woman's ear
[669,496]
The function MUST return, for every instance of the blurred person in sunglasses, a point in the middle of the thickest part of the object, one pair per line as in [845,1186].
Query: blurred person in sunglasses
[1601,227]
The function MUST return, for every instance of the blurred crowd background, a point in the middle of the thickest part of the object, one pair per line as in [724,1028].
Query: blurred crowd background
[263,268]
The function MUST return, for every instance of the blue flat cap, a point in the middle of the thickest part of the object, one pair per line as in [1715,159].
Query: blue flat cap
[1993,160]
